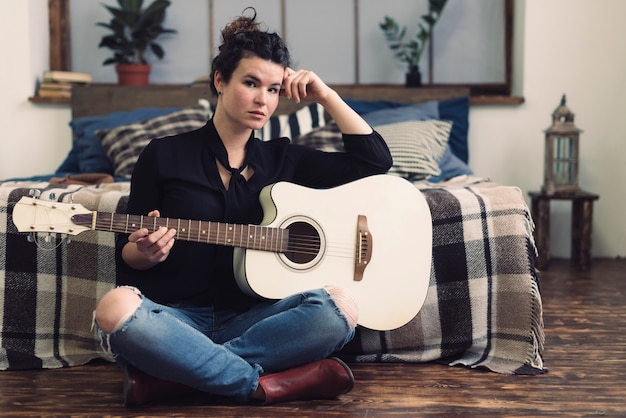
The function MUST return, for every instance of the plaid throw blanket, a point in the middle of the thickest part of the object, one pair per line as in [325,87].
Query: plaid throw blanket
[49,289]
[483,308]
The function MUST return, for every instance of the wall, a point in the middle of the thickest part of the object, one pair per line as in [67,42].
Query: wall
[34,139]
[567,46]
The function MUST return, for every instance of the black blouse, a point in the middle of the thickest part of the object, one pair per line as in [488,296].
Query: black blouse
[178,175]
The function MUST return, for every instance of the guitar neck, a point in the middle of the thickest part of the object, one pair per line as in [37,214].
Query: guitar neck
[233,235]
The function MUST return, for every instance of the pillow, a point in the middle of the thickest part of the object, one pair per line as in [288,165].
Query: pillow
[363,107]
[294,124]
[327,138]
[123,144]
[457,111]
[416,147]
[450,166]
[421,111]
[87,154]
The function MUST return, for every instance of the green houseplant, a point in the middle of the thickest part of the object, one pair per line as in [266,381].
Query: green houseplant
[133,32]
[410,51]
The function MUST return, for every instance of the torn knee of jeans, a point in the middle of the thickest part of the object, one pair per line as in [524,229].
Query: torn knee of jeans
[346,302]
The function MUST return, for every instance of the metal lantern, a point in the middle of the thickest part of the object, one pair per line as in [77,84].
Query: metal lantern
[561,153]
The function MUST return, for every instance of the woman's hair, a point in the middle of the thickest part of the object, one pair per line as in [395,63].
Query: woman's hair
[243,38]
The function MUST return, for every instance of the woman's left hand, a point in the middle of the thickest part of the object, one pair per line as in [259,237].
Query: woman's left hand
[304,85]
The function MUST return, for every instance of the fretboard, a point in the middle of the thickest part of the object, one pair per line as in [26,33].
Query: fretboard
[234,235]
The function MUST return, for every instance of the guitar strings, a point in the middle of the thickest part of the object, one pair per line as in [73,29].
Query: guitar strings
[298,243]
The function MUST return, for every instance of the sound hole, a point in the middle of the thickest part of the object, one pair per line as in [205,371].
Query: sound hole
[304,243]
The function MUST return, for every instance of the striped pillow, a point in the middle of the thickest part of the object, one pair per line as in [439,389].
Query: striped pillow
[294,124]
[416,147]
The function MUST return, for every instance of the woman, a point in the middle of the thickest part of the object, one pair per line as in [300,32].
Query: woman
[179,321]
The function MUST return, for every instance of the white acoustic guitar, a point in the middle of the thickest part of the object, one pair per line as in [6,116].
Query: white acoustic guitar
[372,236]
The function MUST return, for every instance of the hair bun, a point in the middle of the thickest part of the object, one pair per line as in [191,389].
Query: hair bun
[241,24]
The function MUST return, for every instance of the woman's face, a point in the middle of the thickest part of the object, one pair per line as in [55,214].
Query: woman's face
[251,96]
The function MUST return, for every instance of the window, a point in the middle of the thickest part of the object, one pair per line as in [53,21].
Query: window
[479,34]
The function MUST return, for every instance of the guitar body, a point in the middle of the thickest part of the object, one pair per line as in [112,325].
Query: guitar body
[395,280]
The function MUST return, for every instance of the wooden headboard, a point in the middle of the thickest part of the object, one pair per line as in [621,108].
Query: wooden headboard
[101,99]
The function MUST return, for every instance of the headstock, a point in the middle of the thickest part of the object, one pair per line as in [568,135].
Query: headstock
[36,215]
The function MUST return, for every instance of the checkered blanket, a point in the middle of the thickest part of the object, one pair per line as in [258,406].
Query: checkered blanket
[49,288]
[483,308]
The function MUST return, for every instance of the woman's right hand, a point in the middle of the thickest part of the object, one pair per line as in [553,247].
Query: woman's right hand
[145,249]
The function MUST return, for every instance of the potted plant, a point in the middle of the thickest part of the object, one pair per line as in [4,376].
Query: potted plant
[133,33]
[410,51]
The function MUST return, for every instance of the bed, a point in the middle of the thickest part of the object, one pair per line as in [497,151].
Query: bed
[483,307]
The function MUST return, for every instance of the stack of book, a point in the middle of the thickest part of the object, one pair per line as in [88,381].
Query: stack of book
[58,84]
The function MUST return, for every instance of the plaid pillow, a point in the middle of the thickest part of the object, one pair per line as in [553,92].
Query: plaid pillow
[416,147]
[124,143]
[327,138]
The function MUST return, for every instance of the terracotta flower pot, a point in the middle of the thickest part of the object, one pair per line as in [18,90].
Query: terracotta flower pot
[133,74]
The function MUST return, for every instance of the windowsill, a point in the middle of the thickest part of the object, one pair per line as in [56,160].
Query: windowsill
[475,100]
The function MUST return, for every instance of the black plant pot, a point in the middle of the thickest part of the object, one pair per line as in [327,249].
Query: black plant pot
[413,79]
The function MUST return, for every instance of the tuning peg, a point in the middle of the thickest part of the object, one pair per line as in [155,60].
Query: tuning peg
[36,193]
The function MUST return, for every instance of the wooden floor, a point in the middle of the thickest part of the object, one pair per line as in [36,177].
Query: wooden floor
[585,318]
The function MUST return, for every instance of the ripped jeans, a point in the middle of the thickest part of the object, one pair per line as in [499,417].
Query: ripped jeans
[224,352]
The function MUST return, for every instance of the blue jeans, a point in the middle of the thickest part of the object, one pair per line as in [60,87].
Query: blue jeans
[224,352]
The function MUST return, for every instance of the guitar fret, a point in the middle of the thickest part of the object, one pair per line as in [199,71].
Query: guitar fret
[264,237]
[283,244]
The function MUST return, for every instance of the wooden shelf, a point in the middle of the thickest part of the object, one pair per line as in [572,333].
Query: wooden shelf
[496,100]
[50,100]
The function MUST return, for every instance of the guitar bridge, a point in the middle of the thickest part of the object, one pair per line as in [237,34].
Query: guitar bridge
[363,248]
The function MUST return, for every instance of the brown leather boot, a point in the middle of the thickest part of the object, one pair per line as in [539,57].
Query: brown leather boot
[326,378]
[140,388]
